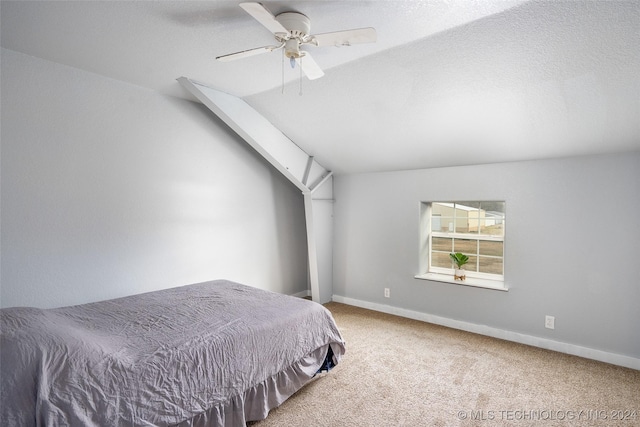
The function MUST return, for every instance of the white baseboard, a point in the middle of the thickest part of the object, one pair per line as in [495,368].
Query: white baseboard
[576,350]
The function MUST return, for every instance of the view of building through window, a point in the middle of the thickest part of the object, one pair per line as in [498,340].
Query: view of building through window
[475,228]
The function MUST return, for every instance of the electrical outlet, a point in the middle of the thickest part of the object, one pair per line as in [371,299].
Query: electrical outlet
[387,293]
[549,322]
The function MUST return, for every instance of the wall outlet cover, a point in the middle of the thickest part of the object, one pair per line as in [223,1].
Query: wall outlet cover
[549,322]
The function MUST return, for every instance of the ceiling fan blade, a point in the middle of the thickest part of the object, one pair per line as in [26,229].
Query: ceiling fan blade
[247,53]
[345,38]
[263,16]
[310,68]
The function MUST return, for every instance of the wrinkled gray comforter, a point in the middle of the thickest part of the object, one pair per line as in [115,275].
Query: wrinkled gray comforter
[214,353]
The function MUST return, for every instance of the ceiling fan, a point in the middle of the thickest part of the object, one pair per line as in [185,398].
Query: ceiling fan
[292,30]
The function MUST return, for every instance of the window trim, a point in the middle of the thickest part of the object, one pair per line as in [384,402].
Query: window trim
[475,282]
[441,274]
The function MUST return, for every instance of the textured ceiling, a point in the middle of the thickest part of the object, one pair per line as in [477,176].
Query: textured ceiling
[447,83]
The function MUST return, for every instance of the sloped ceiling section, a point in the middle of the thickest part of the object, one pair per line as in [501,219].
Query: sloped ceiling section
[151,43]
[299,168]
[543,80]
[447,83]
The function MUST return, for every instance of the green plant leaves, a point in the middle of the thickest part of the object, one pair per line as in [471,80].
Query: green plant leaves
[459,258]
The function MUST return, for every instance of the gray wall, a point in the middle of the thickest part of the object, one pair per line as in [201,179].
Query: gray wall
[109,189]
[564,256]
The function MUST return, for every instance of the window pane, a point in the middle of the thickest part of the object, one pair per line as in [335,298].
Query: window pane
[472,264]
[441,244]
[491,226]
[462,223]
[491,248]
[442,223]
[473,221]
[442,209]
[491,265]
[465,246]
[440,259]
[467,214]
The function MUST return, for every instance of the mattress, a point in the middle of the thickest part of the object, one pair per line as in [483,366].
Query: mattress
[217,353]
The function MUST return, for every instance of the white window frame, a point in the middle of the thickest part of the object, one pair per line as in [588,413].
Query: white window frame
[441,274]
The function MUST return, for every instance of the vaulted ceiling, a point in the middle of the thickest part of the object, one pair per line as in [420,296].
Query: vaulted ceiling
[447,82]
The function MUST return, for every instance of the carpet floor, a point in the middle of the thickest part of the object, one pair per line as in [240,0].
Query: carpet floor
[403,372]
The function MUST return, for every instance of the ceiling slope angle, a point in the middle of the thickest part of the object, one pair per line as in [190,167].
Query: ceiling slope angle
[542,80]
[150,43]
[292,31]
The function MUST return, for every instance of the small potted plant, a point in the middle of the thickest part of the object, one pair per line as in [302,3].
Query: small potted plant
[459,259]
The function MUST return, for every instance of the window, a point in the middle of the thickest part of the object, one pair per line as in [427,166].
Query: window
[475,228]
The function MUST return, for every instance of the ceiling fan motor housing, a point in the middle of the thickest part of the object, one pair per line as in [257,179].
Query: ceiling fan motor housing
[299,27]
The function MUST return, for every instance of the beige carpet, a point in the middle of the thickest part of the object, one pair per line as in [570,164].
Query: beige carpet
[401,372]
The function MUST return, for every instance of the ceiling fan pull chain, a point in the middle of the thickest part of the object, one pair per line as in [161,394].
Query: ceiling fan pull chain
[300,67]
[282,72]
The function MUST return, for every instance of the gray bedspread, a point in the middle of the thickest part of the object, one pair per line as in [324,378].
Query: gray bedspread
[209,354]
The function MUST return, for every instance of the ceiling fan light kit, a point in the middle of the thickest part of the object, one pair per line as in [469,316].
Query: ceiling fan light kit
[292,30]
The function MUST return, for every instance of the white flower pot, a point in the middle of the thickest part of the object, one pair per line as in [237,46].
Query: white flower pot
[459,274]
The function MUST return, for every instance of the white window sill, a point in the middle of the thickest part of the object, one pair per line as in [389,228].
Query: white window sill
[469,281]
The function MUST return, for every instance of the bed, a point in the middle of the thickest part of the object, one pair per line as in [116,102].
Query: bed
[217,353]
